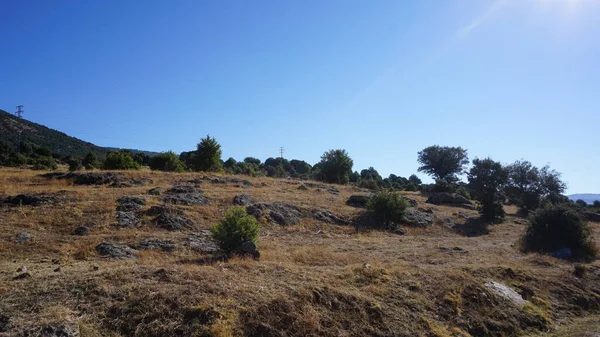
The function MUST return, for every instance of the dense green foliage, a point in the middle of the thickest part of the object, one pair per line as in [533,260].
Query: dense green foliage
[527,184]
[234,229]
[558,227]
[208,155]
[487,178]
[167,161]
[90,161]
[335,167]
[44,163]
[387,206]
[443,162]
[121,160]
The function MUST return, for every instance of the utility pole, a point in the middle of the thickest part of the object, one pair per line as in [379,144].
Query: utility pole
[281,149]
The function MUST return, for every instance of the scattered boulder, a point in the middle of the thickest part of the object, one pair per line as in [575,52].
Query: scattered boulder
[183,189]
[31,200]
[281,213]
[97,178]
[303,187]
[22,237]
[505,292]
[155,191]
[243,200]
[22,276]
[447,222]
[172,222]
[22,269]
[591,216]
[328,188]
[358,200]
[448,199]
[412,202]
[461,215]
[130,204]
[85,229]
[163,209]
[116,251]
[157,244]
[132,200]
[202,242]
[228,180]
[425,210]
[418,219]
[247,248]
[329,217]
[127,219]
[186,199]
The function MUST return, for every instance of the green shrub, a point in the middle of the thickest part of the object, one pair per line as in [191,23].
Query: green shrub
[120,161]
[335,167]
[235,228]
[557,227]
[463,191]
[387,206]
[167,161]
[44,163]
[74,164]
[16,159]
[90,160]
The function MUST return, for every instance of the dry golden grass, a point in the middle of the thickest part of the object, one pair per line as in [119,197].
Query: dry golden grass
[313,279]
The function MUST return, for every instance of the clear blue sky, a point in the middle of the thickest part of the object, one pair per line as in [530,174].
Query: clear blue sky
[382,79]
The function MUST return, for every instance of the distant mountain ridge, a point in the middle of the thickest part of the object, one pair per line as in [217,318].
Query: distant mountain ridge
[587,197]
[40,135]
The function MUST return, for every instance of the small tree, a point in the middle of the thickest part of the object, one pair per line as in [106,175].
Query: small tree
[74,164]
[120,160]
[167,161]
[487,178]
[558,227]
[335,166]
[581,203]
[208,155]
[597,203]
[443,162]
[236,228]
[415,180]
[527,184]
[141,158]
[252,160]
[90,160]
[387,206]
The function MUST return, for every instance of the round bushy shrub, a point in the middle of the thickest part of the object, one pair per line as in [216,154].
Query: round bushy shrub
[44,163]
[120,161]
[167,161]
[234,229]
[559,227]
[74,164]
[387,206]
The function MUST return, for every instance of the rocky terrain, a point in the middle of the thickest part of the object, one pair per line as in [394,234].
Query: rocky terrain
[130,254]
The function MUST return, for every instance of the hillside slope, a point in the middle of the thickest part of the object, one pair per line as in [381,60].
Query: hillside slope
[587,197]
[37,134]
[87,260]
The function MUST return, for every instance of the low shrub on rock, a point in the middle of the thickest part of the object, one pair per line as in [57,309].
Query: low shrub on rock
[236,228]
[557,228]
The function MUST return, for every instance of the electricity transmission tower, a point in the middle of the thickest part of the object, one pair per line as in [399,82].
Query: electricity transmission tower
[281,149]
[19,113]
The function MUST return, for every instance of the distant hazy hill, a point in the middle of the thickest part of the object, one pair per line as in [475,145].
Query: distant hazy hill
[57,141]
[587,197]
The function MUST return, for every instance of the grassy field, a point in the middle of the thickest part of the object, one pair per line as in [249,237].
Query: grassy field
[313,279]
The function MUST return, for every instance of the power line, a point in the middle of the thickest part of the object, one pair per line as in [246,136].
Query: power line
[19,113]
[281,149]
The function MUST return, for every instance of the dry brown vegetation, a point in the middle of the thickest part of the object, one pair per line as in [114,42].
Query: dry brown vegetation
[313,279]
